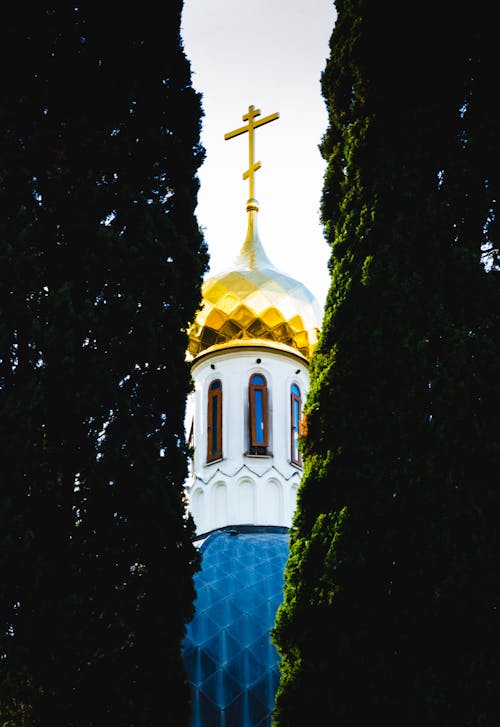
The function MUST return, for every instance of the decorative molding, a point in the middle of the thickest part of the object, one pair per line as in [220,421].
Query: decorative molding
[219,472]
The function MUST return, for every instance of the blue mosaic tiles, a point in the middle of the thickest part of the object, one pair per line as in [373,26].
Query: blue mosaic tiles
[231,663]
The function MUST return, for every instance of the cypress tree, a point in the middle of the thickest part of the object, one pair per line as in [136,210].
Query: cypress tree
[101,263]
[391,589]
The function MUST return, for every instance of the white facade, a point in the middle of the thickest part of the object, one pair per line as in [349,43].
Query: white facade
[241,488]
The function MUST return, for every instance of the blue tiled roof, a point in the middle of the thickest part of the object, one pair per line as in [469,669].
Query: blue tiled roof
[231,663]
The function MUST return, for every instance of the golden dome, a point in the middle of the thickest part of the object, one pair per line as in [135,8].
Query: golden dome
[254,302]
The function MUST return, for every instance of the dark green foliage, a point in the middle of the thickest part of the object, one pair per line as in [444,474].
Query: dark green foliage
[390,611]
[101,262]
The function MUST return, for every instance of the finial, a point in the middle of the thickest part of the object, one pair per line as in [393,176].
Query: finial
[250,127]
[252,254]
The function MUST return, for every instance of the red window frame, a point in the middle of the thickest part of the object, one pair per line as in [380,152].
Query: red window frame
[259,427]
[295,417]
[214,421]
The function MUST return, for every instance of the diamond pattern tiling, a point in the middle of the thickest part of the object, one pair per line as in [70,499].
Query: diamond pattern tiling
[222,646]
[207,712]
[246,711]
[232,665]
[203,628]
[245,627]
[199,665]
[245,667]
[266,685]
[255,304]
[221,688]
[226,613]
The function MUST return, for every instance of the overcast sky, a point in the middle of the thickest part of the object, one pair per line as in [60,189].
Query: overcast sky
[269,54]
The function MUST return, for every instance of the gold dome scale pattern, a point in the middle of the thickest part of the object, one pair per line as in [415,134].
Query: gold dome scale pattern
[255,302]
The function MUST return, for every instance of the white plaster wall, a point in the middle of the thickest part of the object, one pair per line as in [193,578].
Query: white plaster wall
[242,488]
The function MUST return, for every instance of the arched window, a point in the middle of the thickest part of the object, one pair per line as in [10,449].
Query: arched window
[295,414]
[259,436]
[214,421]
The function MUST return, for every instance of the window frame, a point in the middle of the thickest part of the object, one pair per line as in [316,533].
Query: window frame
[258,446]
[214,395]
[295,399]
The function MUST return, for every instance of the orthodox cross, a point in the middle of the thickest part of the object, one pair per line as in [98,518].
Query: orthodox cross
[250,127]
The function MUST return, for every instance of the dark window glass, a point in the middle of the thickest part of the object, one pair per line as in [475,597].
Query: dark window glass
[259,435]
[214,421]
[296,406]
[259,417]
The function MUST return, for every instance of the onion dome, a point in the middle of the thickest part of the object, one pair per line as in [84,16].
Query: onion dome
[254,302]
[231,662]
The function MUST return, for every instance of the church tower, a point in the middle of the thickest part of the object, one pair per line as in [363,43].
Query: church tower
[250,347]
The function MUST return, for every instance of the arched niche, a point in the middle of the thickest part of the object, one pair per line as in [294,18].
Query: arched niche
[293,499]
[273,501]
[245,501]
[219,502]
[197,507]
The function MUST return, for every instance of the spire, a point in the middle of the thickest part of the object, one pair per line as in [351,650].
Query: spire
[252,253]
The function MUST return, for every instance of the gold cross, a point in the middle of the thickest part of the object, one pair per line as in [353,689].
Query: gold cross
[250,127]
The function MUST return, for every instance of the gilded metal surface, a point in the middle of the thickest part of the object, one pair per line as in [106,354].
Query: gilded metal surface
[253,301]
[250,127]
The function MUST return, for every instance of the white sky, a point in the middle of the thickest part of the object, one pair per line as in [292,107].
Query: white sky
[269,54]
